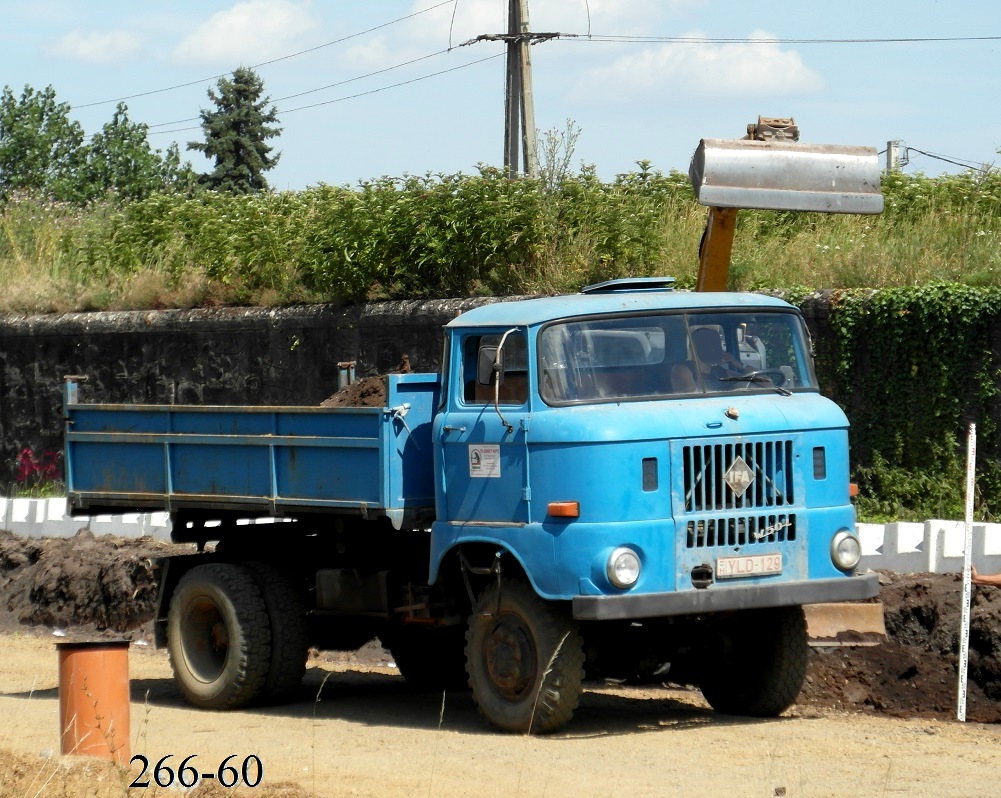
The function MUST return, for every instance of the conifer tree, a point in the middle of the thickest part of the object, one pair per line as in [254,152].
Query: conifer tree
[236,133]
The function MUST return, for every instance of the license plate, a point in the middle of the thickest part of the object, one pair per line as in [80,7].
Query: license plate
[750,565]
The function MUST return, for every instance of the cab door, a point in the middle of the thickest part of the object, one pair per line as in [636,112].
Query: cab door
[483,433]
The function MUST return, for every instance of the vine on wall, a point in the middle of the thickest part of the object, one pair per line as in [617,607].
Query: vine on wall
[913,367]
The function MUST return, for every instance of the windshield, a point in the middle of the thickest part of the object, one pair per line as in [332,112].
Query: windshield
[658,356]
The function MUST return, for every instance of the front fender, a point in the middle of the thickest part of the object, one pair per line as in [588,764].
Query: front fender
[529,545]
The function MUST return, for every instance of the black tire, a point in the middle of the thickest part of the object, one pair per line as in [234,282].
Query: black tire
[218,636]
[429,658]
[525,660]
[289,634]
[756,663]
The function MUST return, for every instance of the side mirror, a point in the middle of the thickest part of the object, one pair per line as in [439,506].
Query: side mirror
[488,364]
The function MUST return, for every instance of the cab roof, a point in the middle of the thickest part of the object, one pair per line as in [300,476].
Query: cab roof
[529,312]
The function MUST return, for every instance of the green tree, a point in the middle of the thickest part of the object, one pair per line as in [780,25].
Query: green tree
[236,132]
[41,149]
[120,159]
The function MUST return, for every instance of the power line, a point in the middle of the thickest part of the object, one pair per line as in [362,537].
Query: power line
[617,39]
[321,88]
[355,96]
[949,159]
[394,85]
[267,63]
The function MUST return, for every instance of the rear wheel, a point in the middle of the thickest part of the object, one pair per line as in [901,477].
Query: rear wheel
[756,662]
[218,636]
[525,660]
[289,633]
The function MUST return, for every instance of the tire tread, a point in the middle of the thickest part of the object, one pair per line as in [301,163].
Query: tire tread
[243,682]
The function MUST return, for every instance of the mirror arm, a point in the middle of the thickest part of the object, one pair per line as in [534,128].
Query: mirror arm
[497,367]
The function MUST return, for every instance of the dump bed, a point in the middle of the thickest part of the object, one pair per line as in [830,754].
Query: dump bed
[258,460]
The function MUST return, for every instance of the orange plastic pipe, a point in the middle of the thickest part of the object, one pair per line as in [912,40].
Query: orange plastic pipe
[94,699]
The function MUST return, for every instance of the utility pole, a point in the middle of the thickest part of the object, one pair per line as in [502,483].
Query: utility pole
[896,156]
[521,149]
[519,105]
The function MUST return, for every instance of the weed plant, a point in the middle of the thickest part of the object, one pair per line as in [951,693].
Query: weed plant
[480,234]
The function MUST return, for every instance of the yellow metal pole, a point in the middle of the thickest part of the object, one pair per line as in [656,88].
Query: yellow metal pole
[715,250]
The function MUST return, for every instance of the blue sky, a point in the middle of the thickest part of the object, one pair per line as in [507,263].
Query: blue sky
[641,99]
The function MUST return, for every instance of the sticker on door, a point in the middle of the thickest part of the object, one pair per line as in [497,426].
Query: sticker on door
[484,460]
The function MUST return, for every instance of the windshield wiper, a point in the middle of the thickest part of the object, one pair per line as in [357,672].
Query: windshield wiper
[758,379]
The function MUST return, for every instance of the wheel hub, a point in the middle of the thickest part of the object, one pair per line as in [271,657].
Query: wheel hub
[511,658]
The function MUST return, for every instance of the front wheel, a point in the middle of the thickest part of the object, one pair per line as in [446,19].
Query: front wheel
[218,636]
[755,663]
[524,658]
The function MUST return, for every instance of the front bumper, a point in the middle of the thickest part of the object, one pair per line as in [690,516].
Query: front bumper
[718,598]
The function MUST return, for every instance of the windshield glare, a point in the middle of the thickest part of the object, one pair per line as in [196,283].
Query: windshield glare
[652,357]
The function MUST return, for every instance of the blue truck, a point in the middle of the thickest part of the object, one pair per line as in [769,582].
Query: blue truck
[628,482]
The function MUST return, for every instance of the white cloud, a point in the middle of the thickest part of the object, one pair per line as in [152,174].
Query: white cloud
[609,17]
[424,33]
[96,48]
[248,32]
[703,70]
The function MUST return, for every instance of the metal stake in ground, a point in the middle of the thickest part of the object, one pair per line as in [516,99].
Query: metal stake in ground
[964,635]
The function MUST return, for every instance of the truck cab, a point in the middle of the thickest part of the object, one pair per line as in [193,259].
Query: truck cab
[649,457]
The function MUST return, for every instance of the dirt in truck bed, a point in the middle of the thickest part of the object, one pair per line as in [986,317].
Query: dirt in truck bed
[105,585]
[367,391]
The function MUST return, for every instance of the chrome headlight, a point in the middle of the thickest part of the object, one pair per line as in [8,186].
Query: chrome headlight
[623,567]
[846,550]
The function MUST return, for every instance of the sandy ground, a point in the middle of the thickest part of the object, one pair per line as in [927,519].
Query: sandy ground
[358,730]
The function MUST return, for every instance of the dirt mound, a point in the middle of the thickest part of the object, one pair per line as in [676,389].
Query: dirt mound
[915,673]
[102,583]
[366,392]
[107,584]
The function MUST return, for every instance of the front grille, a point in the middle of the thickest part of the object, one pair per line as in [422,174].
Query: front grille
[761,476]
[744,531]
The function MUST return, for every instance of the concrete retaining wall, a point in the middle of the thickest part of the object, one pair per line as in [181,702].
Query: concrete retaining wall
[929,547]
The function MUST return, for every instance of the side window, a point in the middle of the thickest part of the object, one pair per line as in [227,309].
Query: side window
[513,389]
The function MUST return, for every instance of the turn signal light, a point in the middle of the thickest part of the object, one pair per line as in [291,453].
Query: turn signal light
[852,489]
[564,509]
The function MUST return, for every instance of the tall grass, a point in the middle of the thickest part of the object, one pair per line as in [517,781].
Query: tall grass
[459,235]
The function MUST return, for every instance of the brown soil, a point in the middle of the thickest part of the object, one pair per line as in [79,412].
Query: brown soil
[914,673]
[97,585]
[365,392]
